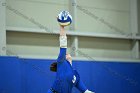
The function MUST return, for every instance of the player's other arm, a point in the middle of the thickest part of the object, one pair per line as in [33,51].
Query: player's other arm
[81,87]
[63,45]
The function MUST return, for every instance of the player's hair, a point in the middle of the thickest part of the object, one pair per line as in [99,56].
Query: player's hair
[53,67]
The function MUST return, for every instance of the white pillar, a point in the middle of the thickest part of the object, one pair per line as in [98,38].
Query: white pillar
[134,27]
[74,40]
[138,4]
[2,28]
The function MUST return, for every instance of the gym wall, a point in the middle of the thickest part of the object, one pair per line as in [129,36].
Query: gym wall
[138,5]
[115,13]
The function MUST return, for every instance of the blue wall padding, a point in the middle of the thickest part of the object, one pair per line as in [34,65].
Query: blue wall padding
[37,77]
[10,75]
[18,75]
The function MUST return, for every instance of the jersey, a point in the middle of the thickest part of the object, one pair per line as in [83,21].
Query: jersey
[66,76]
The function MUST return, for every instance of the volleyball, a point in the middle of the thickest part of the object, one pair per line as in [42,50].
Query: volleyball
[64,18]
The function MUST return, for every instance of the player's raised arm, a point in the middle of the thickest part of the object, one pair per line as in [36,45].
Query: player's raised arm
[63,45]
[63,38]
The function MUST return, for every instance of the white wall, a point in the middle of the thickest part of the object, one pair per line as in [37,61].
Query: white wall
[138,19]
[2,28]
[114,12]
[138,15]
[41,11]
[105,48]
[33,45]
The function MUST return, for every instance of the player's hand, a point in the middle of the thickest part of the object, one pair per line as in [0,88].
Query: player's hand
[62,26]
[87,91]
